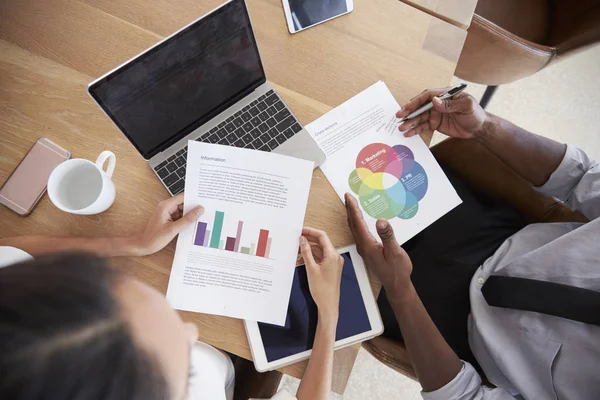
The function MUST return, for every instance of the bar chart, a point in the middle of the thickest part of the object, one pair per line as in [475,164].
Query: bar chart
[214,238]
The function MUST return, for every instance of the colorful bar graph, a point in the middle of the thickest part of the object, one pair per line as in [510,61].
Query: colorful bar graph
[200,233]
[263,236]
[268,251]
[215,239]
[217,228]
[238,237]
[230,244]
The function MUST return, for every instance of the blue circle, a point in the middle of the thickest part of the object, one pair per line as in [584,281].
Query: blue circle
[415,181]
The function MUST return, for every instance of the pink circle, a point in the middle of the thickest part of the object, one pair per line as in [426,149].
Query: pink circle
[395,168]
[374,157]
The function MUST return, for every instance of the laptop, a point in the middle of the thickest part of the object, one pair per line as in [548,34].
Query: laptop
[205,82]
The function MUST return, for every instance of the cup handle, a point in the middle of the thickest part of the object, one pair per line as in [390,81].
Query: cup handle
[112,160]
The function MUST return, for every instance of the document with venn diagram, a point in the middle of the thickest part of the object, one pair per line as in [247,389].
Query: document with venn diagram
[391,176]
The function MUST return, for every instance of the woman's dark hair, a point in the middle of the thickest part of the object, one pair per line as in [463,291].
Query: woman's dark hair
[62,335]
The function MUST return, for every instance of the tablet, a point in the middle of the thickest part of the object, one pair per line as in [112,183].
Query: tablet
[275,346]
[302,14]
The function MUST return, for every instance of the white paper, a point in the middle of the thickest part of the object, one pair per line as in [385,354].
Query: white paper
[392,177]
[253,191]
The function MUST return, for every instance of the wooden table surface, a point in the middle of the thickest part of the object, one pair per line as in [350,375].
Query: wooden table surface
[456,12]
[50,50]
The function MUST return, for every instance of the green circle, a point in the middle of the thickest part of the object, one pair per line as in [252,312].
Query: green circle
[355,182]
[365,190]
[377,205]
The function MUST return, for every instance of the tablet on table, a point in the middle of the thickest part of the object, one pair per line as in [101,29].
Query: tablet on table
[359,319]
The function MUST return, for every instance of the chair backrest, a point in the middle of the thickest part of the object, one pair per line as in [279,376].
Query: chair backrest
[574,25]
[527,19]
[513,39]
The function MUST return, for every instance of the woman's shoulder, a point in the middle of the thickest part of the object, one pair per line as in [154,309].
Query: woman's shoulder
[12,255]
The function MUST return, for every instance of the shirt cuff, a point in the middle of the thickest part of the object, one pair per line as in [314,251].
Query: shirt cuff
[462,384]
[567,175]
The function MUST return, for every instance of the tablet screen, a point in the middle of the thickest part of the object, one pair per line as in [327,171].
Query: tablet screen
[307,13]
[300,325]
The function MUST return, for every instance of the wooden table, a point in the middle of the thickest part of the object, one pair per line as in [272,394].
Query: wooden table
[50,50]
[456,12]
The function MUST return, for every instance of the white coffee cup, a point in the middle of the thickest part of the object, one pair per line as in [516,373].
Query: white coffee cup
[79,186]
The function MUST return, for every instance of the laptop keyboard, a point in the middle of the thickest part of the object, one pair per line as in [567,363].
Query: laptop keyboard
[263,124]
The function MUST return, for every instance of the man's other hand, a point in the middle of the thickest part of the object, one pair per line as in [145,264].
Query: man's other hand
[460,116]
[387,260]
[166,223]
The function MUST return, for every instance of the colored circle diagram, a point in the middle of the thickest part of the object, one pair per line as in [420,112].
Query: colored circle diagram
[388,181]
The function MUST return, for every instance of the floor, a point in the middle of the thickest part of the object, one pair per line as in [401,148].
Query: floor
[562,103]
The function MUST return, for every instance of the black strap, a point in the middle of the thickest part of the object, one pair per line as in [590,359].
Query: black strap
[550,298]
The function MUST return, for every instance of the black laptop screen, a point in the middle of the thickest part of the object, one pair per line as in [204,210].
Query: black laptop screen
[173,88]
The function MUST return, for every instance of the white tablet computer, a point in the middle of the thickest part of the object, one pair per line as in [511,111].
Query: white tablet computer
[302,14]
[276,346]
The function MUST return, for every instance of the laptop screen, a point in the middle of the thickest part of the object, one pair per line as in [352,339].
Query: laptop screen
[181,83]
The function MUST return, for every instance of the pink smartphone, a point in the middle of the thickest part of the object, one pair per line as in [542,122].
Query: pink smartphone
[27,183]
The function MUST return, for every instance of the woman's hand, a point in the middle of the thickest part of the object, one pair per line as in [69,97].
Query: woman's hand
[459,117]
[166,223]
[324,269]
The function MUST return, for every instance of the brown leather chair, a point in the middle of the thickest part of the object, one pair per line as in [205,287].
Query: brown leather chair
[252,384]
[481,169]
[511,39]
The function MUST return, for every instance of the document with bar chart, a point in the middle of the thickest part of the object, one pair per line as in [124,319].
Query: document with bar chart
[259,247]
[238,258]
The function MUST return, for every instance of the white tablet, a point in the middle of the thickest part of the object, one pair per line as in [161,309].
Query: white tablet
[302,14]
[276,346]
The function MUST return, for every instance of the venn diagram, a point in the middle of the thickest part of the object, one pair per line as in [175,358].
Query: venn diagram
[388,181]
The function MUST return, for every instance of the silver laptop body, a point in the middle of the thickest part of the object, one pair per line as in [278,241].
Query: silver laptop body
[169,94]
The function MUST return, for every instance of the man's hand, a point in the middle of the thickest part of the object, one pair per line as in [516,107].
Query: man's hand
[434,361]
[166,223]
[324,273]
[387,260]
[459,117]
